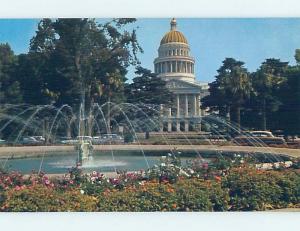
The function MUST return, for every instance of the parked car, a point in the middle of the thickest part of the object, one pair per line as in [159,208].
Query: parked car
[30,141]
[68,140]
[111,139]
[97,140]
[39,138]
[84,138]
[2,141]
[261,134]
[254,138]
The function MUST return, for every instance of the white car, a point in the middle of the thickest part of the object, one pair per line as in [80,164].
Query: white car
[30,140]
[84,138]
[257,137]
[261,134]
[112,138]
[39,138]
[97,140]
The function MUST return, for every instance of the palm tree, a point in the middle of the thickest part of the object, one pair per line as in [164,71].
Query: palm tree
[266,80]
[237,87]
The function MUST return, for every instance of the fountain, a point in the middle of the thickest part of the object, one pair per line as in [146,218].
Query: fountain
[17,121]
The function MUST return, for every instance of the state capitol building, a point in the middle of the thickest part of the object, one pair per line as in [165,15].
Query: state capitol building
[176,66]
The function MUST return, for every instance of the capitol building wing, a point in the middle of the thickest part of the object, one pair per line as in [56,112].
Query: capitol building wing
[175,65]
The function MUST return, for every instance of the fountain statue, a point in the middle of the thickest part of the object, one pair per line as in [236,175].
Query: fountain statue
[85,151]
[84,145]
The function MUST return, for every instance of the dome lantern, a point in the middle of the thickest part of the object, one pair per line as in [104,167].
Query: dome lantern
[173,24]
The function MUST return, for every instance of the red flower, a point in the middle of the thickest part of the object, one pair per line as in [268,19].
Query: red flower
[218,178]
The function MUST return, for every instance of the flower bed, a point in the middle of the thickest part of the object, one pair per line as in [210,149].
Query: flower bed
[224,185]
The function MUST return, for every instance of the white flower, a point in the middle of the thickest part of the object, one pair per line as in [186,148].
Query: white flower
[141,183]
[81,191]
[162,164]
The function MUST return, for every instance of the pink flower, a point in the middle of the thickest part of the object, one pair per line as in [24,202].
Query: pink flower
[205,165]
[71,182]
[18,188]
[47,182]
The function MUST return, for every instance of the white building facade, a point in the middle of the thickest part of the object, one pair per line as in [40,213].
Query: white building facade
[175,65]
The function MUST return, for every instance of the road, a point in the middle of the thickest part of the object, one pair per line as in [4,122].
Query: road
[31,151]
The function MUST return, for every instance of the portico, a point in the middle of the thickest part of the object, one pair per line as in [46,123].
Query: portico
[186,113]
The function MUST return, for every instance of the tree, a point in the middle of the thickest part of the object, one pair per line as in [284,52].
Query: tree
[148,88]
[9,84]
[230,90]
[266,82]
[82,53]
[147,91]
[84,62]
[288,114]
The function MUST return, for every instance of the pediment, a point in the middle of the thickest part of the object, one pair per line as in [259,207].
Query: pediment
[179,84]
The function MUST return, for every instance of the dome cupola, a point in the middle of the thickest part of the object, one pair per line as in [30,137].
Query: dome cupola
[174,60]
[173,36]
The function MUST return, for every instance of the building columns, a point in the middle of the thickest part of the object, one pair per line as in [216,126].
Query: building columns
[195,105]
[161,112]
[186,106]
[169,126]
[169,112]
[186,126]
[178,105]
[178,126]
[198,105]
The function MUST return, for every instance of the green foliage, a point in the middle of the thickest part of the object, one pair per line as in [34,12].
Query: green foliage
[183,196]
[75,59]
[251,189]
[9,85]
[230,90]
[44,199]
[267,80]
[148,88]
[222,187]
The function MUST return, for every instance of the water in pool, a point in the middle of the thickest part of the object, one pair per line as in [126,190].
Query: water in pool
[103,162]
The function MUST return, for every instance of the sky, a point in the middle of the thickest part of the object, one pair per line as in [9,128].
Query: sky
[211,40]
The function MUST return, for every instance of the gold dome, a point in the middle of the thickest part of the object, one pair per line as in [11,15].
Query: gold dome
[173,36]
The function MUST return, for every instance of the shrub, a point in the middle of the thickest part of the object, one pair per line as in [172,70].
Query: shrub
[185,195]
[44,199]
[252,189]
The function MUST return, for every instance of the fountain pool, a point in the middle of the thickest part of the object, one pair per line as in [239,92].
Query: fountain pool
[101,161]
